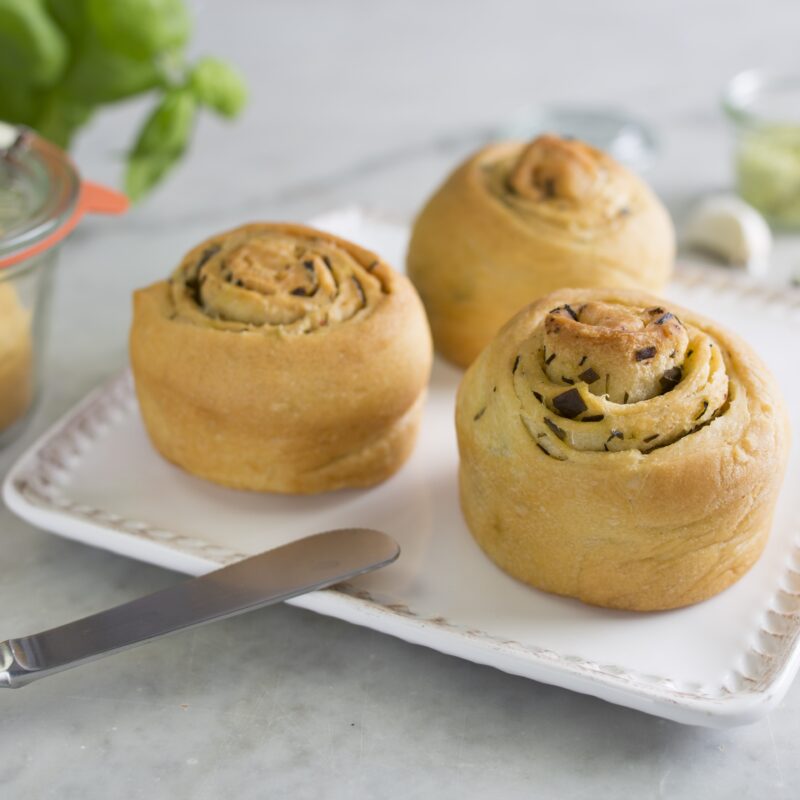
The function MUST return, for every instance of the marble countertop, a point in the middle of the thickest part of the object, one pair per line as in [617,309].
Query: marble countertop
[368,103]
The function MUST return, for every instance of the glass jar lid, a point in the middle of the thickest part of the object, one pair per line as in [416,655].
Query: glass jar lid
[39,188]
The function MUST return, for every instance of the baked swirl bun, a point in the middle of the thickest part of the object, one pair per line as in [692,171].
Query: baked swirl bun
[517,221]
[16,358]
[621,450]
[280,358]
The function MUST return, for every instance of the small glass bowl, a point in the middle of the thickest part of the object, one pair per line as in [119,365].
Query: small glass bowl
[765,109]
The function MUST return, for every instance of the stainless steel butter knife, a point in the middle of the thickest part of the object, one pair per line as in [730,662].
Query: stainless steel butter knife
[302,566]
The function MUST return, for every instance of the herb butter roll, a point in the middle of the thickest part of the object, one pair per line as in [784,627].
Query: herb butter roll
[620,450]
[16,358]
[279,358]
[517,221]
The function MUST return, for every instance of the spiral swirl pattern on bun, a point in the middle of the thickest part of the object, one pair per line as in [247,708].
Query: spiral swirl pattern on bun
[564,184]
[281,358]
[605,376]
[517,221]
[621,450]
[261,278]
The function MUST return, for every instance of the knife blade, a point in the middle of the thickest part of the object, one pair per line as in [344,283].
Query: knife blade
[306,565]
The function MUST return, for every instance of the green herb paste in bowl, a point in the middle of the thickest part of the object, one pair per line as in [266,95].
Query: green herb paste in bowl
[768,172]
[765,107]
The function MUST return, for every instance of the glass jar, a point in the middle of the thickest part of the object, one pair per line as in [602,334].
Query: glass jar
[765,108]
[41,200]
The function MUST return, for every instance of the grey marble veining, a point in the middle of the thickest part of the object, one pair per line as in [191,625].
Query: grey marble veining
[284,703]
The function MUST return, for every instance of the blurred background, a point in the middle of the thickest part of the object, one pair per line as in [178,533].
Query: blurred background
[373,103]
[338,85]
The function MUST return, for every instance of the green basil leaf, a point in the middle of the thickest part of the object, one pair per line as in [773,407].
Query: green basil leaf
[140,29]
[59,117]
[33,50]
[18,103]
[72,16]
[219,86]
[161,143]
[144,172]
[99,75]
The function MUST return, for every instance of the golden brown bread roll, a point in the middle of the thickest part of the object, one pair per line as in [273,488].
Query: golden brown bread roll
[515,222]
[280,358]
[16,365]
[621,450]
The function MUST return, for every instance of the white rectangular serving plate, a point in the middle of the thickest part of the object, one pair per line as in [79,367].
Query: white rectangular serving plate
[95,478]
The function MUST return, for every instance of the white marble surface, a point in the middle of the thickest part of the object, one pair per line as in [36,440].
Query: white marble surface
[283,703]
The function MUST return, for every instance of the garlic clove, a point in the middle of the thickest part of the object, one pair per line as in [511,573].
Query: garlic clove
[8,135]
[732,230]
